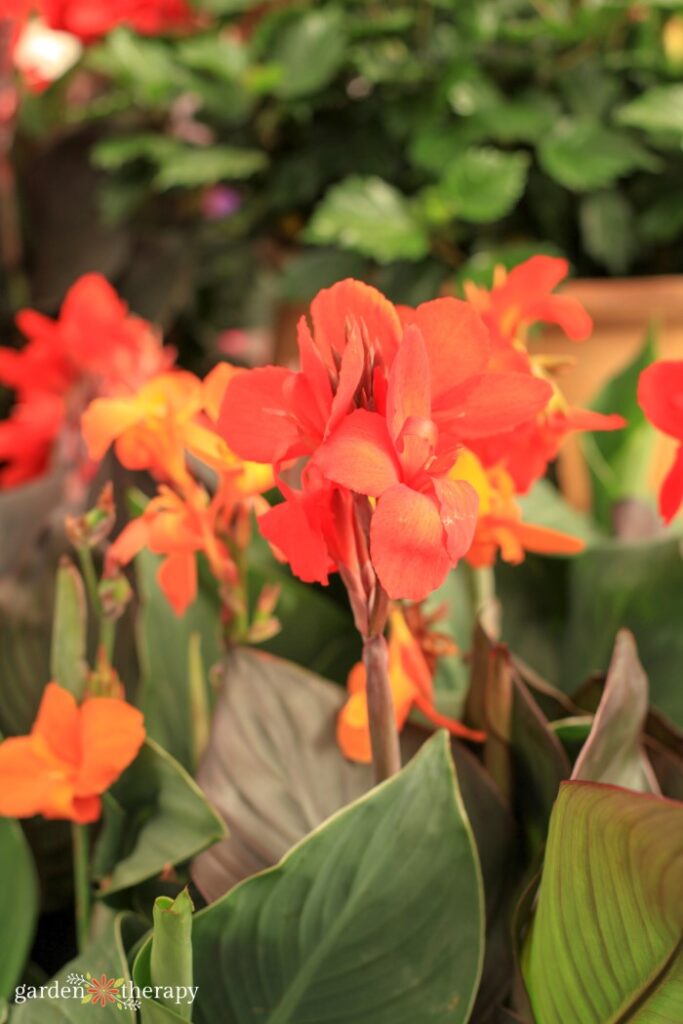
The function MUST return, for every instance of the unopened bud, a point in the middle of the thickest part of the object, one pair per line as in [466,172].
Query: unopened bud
[95,525]
[115,593]
[104,680]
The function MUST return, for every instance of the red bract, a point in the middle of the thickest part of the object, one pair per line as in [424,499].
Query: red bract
[92,19]
[94,347]
[660,394]
[380,406]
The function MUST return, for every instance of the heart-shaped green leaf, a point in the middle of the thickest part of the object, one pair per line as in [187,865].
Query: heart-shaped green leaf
[273,767]
[376,918]
[605,944]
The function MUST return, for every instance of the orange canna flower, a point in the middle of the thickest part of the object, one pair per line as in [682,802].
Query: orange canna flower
[71,756]
[171,415]
[500,526]
[411,686]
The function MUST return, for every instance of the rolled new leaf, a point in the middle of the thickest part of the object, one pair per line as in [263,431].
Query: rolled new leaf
[69,631]
[170,964]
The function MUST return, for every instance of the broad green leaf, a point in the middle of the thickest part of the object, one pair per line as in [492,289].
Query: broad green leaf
[155,816]
[369,216]
[657,110]
[605,944]
[273,768]
[309,52]
[164,640]
[613,752]
[584,155]
[69,631]
[394,875]
[481,185]
[106,955]
[18,904]
[662,221]
[608,230]
[192,168]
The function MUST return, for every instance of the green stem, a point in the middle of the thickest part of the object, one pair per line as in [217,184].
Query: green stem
[485,606]
[79,836]
[107,628]
[386,753]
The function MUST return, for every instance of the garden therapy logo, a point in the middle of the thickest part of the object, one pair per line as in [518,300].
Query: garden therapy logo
[103,991]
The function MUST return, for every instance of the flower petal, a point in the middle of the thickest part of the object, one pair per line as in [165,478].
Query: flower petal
[57,724]
[407,544]
[106,419]
[177,577]
[456,340]
[351,302]
[671,495]
[360,455]
[112,733]
[27,787]
[410,386]
[492,403]
[660,394]
[254,417]
[459,503]
[287,528]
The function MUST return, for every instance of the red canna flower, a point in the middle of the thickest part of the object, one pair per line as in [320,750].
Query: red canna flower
[94,347]
[411,686]
[380,406]
[71,756]
[660,395]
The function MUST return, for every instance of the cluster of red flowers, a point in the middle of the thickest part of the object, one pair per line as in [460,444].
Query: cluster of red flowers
[425,417]
[94,347]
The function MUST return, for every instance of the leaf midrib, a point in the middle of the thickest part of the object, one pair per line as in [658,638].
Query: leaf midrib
[649,987]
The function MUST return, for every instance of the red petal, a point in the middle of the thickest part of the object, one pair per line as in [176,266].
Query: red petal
[352,302]
[350,372]
[255,418]
[359,454]
[671,495]
[566,312]
[407,544]
[287,528]
[456,340]
[492,403]
[410,392]
[660,394]
[533,278]
[459,504]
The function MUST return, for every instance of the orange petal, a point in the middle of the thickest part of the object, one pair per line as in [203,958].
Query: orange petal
[456,340]
[27,786]
[407,544]
[56,725]
[352,302]
[105,420]
[215,384]
[353,730]
[177,577]
[112,733]
[458,505]
[360,454]
[132,539]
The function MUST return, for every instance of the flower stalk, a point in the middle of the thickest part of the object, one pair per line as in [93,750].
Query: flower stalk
[80,841]
[386,753]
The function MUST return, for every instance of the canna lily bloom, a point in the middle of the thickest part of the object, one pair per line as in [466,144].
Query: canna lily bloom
[660,396]
[524,297]
[170,415]
[179,528]
[379,407]
[411,687]
[94,347]
[518,300]
[71,756]
[499,524]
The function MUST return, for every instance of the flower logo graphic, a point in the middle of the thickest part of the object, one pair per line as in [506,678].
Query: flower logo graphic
[103,991]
